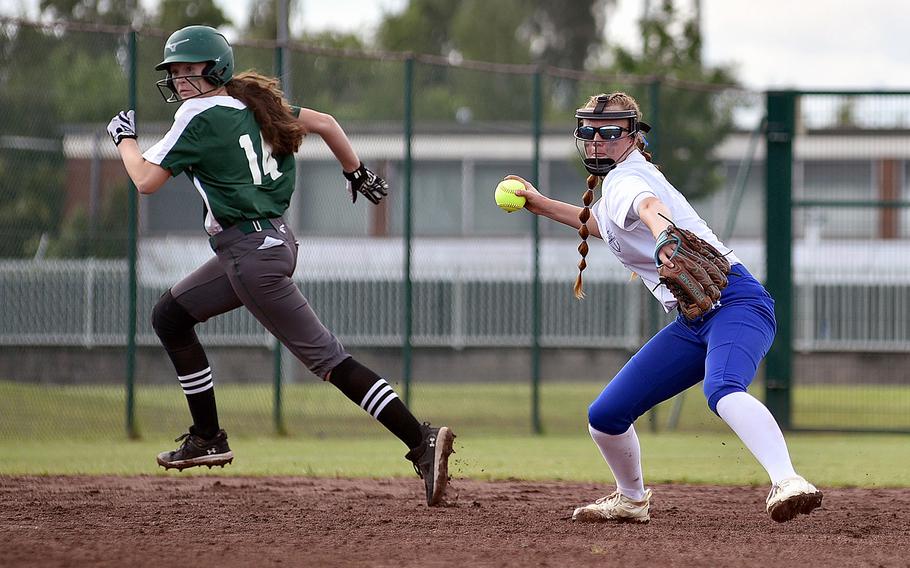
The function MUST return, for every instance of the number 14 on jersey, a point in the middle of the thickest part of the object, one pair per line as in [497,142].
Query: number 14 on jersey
[269,164]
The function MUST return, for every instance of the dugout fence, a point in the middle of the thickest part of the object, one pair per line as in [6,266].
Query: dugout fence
[469,311]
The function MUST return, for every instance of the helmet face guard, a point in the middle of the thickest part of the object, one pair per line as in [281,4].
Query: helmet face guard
[169,92]
[196,44]
[596,166]
[585,135]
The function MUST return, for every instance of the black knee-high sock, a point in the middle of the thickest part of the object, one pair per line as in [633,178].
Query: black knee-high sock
[376,396]
[174,326]
[195,376]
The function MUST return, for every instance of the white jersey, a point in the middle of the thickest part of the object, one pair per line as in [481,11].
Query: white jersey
[616,212]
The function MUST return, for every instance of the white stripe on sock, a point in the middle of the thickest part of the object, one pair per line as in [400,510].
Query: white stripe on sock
[376,386]
[385,402]
[200,389]
[204,379]
[194,375]
[380,396]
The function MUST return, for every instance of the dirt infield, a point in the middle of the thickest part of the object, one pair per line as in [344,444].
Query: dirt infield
[224,522]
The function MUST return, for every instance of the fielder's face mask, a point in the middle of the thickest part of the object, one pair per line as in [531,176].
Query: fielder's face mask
[586,135]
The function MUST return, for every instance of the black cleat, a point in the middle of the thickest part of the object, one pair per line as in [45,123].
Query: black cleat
[198,451]
[431,460]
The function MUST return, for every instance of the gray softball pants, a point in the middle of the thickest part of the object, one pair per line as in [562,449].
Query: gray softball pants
[253,266]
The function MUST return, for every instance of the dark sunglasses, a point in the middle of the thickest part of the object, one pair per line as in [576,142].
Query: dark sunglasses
[606,132]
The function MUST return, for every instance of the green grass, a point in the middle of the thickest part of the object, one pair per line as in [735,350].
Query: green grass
[830,460]
[30,411]
[80,430]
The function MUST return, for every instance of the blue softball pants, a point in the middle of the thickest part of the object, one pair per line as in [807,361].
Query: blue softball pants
[723,347]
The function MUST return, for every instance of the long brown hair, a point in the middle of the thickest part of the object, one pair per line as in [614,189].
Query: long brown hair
[263,96]
[618,101]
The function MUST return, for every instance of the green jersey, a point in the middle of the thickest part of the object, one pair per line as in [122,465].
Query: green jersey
[217,142]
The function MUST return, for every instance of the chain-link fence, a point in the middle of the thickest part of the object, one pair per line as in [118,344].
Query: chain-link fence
[847,194]
[468,310]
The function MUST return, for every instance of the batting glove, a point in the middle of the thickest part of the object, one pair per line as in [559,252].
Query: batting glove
[366,182]
[122,126]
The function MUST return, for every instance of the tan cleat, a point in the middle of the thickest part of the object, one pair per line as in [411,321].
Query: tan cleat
[615,507]
[792,496]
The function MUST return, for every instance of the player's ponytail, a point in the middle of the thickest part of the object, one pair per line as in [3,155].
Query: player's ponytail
[587,199]
[263,96]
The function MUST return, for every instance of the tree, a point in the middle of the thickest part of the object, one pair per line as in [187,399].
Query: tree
[338,84]
[175,14]
[568,34]
[506,31]
[563,34]
[105,237]
[31,158]
[50,81]
[692,121]
[423,27]
[114,12]
[263,20]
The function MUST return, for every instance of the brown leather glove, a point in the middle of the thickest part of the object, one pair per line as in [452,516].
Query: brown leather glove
[698,274]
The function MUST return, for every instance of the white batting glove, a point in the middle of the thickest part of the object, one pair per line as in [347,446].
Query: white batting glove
[122,126]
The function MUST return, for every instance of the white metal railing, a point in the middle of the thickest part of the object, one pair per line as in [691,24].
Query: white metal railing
[85,303]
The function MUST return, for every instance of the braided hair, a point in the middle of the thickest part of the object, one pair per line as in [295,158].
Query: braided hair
[620,101]
[583,216]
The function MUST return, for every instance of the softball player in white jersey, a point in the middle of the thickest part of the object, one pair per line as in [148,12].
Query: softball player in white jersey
[723,347]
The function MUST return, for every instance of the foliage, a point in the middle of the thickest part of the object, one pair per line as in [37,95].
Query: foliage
[52,82]
[52,79]
[506,31]
[31,166]
[263,19]
[567,34]
[32,202]
[175,14]
[82,236]
[97,78]
[690,122]
[117,12]
[349,88]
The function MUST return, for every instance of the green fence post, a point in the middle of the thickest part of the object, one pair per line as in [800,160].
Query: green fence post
[778,215]
[536,284]
[277,406]
[283,73]
[654,309]
[654,117]
[131,429]
[408,166]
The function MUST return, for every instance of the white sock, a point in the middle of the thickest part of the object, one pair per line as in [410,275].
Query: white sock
[758,430]
[623,455]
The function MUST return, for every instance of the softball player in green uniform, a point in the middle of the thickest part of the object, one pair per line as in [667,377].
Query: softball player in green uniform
[235,138]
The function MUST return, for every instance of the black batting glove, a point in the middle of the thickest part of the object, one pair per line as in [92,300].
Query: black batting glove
[122,126]
[366,182]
